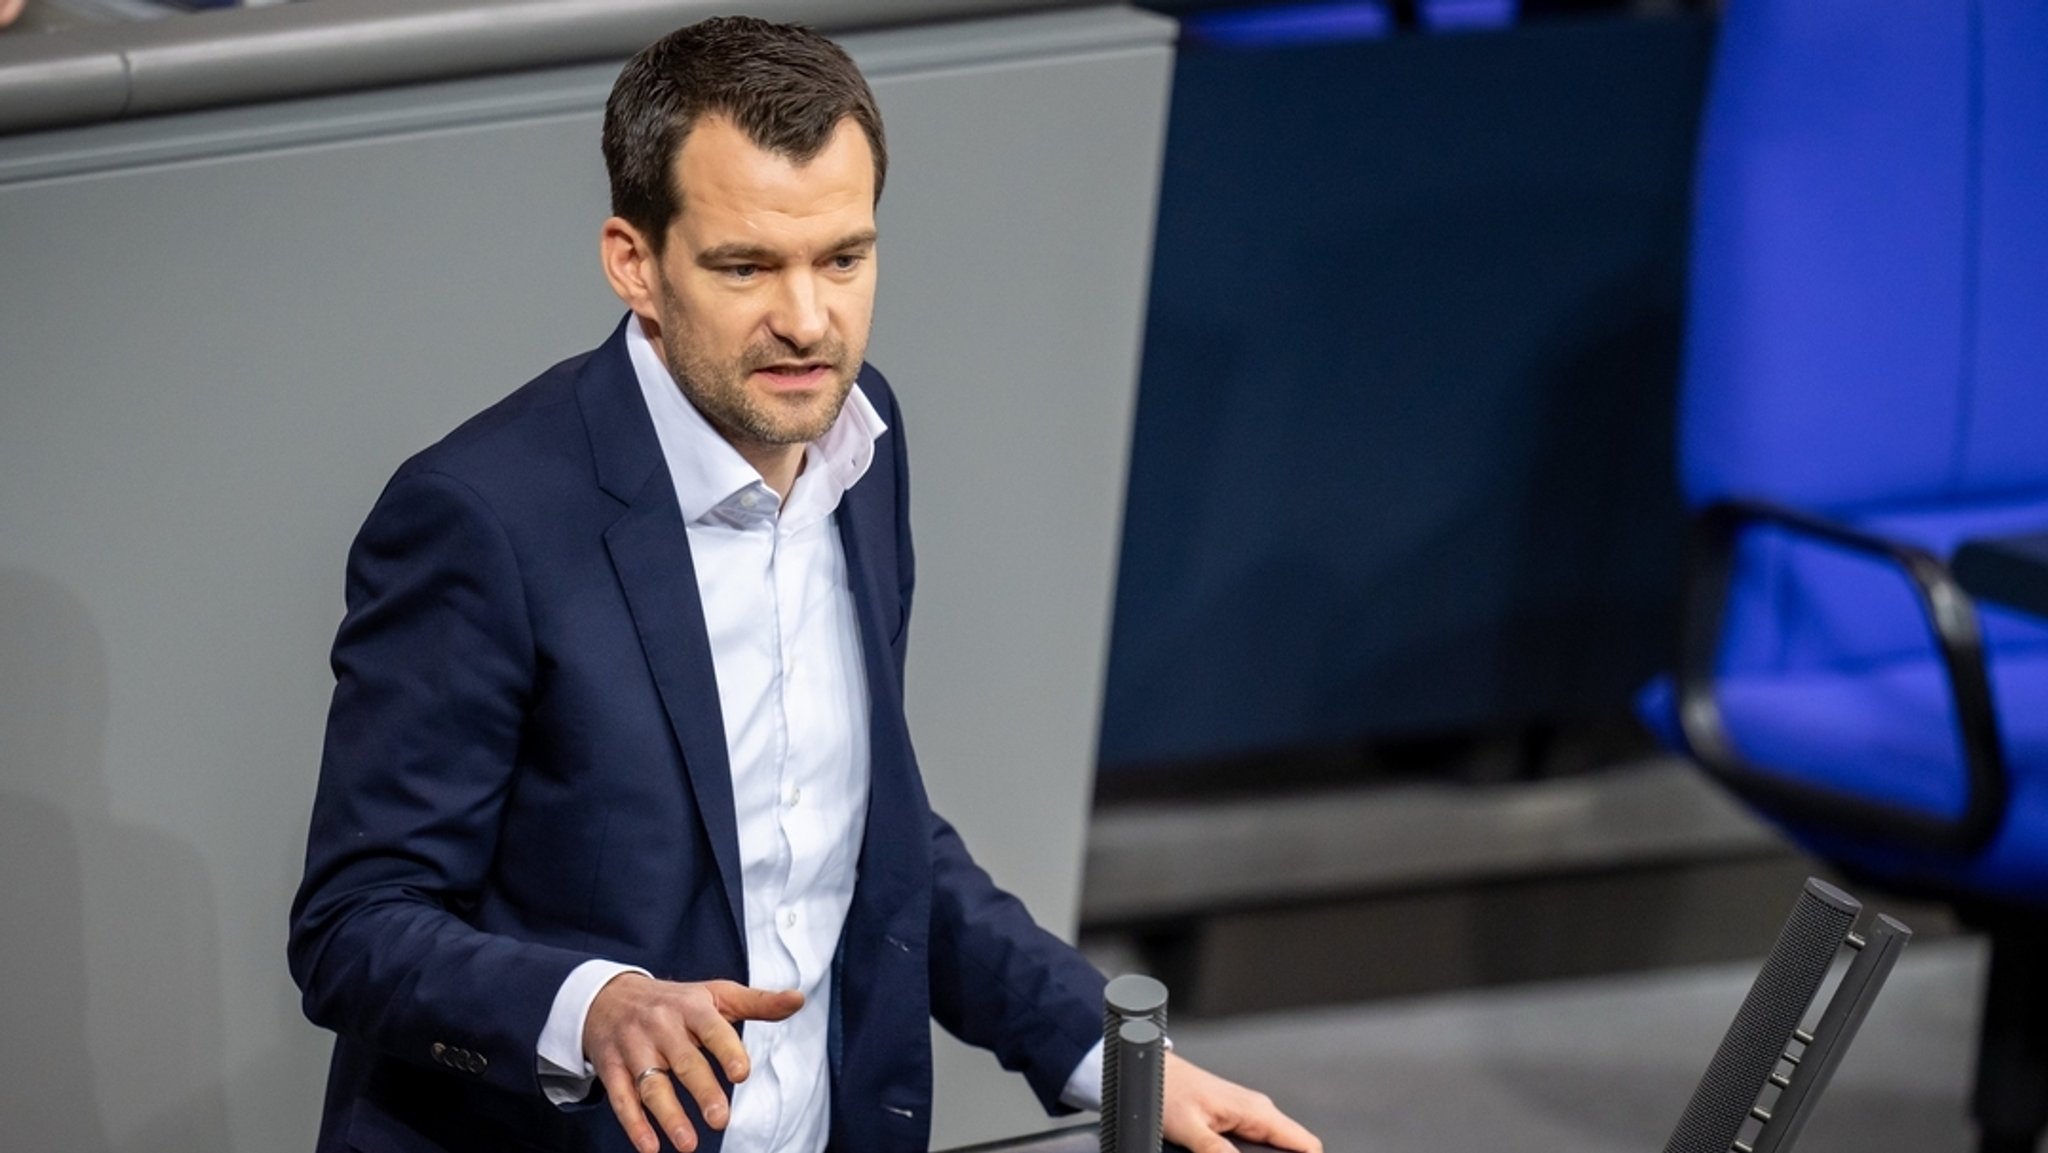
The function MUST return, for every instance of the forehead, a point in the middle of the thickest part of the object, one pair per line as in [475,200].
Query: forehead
[732,189]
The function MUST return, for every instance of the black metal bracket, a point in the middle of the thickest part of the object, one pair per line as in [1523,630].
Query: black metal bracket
[1952,619]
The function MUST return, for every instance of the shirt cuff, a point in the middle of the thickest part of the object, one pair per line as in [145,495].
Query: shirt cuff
[1084,1086]
[565,1074]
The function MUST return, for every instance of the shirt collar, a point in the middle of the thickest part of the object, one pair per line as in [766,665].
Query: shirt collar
[711,476]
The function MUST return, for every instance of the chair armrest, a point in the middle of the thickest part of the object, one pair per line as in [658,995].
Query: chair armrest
[2011,570]
[1951,617]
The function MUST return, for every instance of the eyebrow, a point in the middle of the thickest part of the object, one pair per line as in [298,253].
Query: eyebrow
[741,252]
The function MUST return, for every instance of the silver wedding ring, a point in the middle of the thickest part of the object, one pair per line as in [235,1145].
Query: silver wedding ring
[650,1071]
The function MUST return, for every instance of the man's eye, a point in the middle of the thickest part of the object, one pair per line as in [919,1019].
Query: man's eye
[742,271]
[846,262]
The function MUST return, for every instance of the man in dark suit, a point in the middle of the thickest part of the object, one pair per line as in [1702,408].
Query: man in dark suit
[617,759]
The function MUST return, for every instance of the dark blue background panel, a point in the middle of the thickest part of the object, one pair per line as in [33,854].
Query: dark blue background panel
[1403,459]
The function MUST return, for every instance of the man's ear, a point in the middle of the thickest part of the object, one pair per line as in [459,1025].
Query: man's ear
[631,266]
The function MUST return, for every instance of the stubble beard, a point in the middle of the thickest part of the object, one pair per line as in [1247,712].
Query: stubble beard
[720,392]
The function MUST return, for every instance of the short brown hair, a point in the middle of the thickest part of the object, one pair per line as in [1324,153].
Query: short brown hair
[784,85]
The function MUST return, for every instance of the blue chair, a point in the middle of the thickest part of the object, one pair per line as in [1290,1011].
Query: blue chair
[1866,389]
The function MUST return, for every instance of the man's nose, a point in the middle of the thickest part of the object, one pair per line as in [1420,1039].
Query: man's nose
[801,317]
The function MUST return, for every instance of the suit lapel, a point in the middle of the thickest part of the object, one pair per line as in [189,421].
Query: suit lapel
[650,553]
[888,850]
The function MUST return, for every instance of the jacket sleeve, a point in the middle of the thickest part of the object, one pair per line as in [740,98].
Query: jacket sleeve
[1001,982]
[433,666]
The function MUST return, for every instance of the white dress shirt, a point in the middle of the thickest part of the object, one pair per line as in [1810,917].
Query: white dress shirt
[793,692]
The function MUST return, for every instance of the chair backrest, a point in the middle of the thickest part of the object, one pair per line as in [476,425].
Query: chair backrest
[2005,436]
[1868,327]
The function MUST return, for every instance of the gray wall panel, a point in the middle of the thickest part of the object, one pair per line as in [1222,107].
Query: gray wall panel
[216,345]
[76,70]
[209,370]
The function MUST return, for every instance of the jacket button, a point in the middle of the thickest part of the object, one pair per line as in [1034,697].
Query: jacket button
[440,1053]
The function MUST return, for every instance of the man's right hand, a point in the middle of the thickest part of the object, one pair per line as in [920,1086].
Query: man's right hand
[671,1032]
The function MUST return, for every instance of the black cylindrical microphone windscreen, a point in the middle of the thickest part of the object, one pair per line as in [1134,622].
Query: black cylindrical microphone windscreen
[1131,997]
[1139,1056]
[1793,972]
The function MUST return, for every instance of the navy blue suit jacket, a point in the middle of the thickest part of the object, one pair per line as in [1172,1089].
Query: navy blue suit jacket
[525,768]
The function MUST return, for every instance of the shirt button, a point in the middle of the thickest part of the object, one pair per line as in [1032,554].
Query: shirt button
[795,794]
[789,918]
[749,500]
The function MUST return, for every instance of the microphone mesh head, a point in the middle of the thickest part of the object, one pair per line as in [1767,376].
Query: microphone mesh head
[1763,1026]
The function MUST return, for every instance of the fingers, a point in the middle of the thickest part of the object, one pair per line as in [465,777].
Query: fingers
[694,1072]
[1201,1106]
[636,1023]
[716,1036]
[623,1094]
[1260,1120]
[739,1002]
[647,1101]
[658,1093]
[731,1001]
[1285,1132]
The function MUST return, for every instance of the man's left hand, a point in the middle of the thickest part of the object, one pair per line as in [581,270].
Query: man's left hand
[1200,1107]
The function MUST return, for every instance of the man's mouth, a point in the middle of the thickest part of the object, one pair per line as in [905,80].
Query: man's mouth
[796,374]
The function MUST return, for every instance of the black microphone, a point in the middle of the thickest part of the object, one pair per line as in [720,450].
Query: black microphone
[1128,999]
[1141,1070]
[1764,1026]
[1743,1083]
